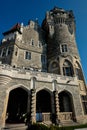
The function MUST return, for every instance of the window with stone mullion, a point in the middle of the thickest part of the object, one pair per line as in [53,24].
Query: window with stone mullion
[67,71]
[84,102]
[64,48]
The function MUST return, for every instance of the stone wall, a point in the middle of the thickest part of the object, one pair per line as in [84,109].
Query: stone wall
[12,78]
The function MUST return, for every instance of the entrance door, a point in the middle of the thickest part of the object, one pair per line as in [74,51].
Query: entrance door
[17,106]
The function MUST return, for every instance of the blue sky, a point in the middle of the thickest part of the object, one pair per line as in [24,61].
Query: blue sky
[14,11]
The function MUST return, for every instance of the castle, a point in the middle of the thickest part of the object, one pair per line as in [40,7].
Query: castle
[41,77]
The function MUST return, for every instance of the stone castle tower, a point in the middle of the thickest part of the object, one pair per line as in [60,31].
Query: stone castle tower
[41,77]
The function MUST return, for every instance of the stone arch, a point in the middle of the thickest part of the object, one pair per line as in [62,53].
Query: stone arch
[44,88]
[68,91]
[17,104]
[17,86]
[67,68]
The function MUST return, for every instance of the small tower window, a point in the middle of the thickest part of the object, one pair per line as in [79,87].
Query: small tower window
[28,55]
[32,42]
[64,48]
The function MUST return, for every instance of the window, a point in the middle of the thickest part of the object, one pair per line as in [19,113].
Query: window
[39,44]
[67,71]
[32,42]
[79,72]
[43,58]
[64,48]
[67,68]
[28,55]
[4,52]
[16,51]
[9,50]
[84,102]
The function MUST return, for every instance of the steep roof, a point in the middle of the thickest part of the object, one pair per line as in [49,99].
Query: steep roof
[16,27]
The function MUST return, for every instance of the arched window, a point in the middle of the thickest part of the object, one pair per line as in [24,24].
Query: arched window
[67,68]
[79,71]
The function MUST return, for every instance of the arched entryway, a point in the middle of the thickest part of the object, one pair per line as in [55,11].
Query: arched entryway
[43,105]
[17,106]
[65,102]
[66,106]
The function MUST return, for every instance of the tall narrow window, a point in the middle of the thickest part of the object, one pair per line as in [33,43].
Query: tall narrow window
[32,42]
[28,55]
[4,52]
[84,102]
[67,68]
[16,51]
[64,48]
[43,59]
[9,50]
[79,73]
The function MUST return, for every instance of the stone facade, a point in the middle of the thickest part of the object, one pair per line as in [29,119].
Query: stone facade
[41,77]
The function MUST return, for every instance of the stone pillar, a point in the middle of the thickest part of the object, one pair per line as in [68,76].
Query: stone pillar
[33,106]
[33,101]
[3,118]
[56,101]
[56,106]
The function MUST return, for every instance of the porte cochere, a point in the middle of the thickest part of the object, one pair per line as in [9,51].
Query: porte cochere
[43,106]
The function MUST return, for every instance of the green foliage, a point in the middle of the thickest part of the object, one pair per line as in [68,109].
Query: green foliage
[38,127]
[43,127]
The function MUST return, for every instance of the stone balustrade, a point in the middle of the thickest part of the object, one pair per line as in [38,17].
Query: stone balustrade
[46,116]
[65,116]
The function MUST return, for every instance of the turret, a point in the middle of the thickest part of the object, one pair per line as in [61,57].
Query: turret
[62,53]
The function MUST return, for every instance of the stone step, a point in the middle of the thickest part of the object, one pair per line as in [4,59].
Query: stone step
[68,123]
[47,123]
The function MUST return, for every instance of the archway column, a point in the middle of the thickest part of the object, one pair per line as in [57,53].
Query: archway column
[33,106]
[3,119]
[56,106]
[33,101]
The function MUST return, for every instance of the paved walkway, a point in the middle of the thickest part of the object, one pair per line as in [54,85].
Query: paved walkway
[81,129]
